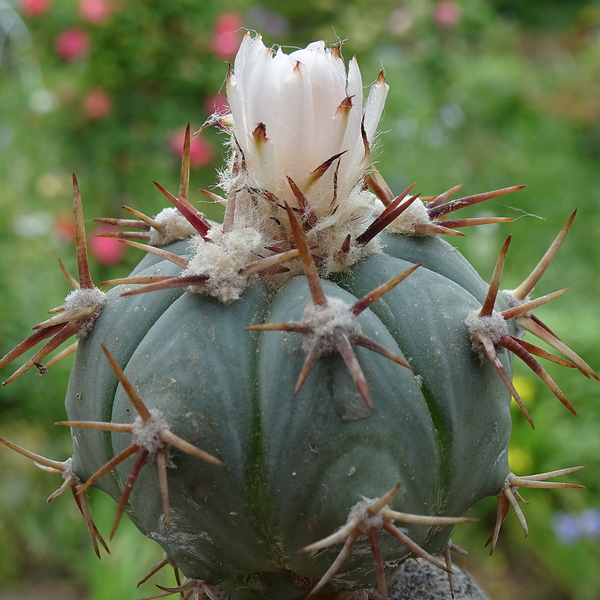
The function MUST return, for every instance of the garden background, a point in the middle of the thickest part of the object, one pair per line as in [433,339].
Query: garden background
[484,93]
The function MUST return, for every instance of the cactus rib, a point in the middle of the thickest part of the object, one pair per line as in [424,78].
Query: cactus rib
[319,339]
[152,439]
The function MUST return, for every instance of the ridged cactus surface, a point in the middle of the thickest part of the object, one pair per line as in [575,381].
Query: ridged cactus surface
[312,454]
[298,399]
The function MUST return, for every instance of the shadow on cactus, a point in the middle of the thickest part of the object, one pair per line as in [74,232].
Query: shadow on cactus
[293,402]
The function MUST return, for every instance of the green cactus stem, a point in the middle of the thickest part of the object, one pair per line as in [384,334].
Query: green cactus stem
[329,324]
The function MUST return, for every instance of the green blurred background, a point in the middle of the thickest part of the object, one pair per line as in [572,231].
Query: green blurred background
[484,93]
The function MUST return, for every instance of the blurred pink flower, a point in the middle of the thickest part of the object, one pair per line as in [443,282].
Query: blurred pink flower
[96,12]
[217,103]
[227,35]
[73,44]
[97,104]
[201,150]
[107,251]
[447,13]
[34,8]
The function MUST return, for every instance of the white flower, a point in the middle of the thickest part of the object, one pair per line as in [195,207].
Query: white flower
[292,113]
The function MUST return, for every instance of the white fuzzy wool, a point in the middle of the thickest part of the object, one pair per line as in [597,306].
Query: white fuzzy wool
[91,298]
[177,227]
[85,297]
[415,214]
[146,434]
[367,520]
[327,322]
[67,471]
[351,217]
[221,260]
[493,326]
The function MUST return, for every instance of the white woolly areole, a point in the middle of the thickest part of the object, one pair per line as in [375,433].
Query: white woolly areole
[67,471]
[493,326]
[221,260]
[146,434]
[85,297]
[327,322]
[91,298]
[367,520]
[350,218]
[177,227]
[415,214]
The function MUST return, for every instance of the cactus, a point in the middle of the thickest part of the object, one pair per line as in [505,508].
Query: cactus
[296,400]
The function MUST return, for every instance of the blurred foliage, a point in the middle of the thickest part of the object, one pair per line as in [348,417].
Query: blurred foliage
[488,94]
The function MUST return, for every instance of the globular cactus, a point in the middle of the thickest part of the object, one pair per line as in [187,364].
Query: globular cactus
[296,400]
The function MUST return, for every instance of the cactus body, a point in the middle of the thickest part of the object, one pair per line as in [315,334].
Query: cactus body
[295,463]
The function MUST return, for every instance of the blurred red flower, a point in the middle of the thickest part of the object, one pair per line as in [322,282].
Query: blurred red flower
[227,35]
[447,13]
[96,12]
[34,8]
[107,251]
[201,150]
[97,104]
[73,44]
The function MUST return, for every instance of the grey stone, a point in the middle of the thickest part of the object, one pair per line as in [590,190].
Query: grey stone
[419,580]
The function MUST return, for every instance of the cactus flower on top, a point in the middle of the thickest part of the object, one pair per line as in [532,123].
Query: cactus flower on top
[294,113]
